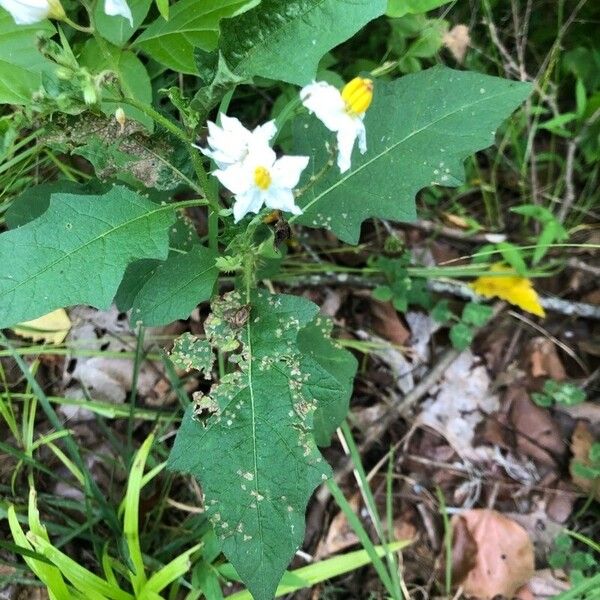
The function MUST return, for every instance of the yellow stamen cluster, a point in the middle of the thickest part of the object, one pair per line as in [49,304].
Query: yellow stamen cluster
[358,95]
[262,178]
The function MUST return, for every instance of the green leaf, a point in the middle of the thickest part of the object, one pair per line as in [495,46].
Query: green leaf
[441,312]
[116,29]
[264,461]
[542,400]
[420,128]
[191,25]
[383,293]
[33,202]
[330,364]
[163,8]
[216,80]
[476,314]
[21,65]
[133,78]
[461,335]
[77,251]
[399,8]
[286,40]
[512,255]
[176,287]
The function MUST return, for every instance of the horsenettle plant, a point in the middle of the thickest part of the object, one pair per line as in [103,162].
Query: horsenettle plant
[357,152]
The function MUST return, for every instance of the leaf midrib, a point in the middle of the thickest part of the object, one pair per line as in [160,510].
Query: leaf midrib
[393,147]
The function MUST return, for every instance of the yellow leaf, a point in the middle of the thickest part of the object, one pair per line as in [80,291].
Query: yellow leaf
[514,289]
[52,327]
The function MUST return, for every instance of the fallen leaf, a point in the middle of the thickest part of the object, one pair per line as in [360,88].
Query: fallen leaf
[340,535]
[457,40]
[504,559]
[581,442]
[387,323]
[512,288]
[544,360]
[537,434]
[459,403]
[546,584]
[53,327]
[464,549]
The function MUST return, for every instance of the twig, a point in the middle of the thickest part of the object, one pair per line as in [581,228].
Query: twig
[569,308]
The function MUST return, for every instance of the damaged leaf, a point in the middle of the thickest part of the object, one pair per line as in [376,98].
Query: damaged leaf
[259,421]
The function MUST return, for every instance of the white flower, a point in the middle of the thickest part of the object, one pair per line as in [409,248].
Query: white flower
[118,7]
[231,143]
[342,112]
[27,12]
[263,179]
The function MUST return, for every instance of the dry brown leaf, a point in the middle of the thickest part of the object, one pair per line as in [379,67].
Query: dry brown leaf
[387,323]
[545,584]
[581,442]
[339,535]
[457,40]
[544,360]
[456,221]
[537,434]
[504,559]
[464,549]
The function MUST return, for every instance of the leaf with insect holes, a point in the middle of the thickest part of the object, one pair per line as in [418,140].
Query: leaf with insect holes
[190,352]
[76,252]
[420,128]
[260,429]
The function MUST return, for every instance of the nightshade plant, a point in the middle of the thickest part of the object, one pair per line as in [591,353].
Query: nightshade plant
[357,152]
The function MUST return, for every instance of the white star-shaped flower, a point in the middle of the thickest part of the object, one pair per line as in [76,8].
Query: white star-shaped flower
[342,112]
[231,142]
[263,179]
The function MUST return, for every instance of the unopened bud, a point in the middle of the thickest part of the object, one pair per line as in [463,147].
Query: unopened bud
[121,118]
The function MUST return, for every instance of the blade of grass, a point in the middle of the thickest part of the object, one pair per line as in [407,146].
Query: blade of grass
[131,514]
[326,569]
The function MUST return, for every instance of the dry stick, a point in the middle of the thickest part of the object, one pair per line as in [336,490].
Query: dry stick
[569,308]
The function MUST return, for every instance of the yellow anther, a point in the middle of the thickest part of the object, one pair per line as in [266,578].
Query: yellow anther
[262,178]
[358,95]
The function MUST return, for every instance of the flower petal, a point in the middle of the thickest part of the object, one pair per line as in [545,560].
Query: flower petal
[237,178]
[345,140]
[265,132]
[287,170]
[282,199]
[260,155]
[361,133]
[27,12]
[250,201]
[326,102]
[118,7]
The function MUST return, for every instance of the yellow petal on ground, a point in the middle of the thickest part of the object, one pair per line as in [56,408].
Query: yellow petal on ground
[52,328]
[514,289]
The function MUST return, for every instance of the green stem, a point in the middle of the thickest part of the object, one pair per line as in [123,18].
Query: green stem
[76,26]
